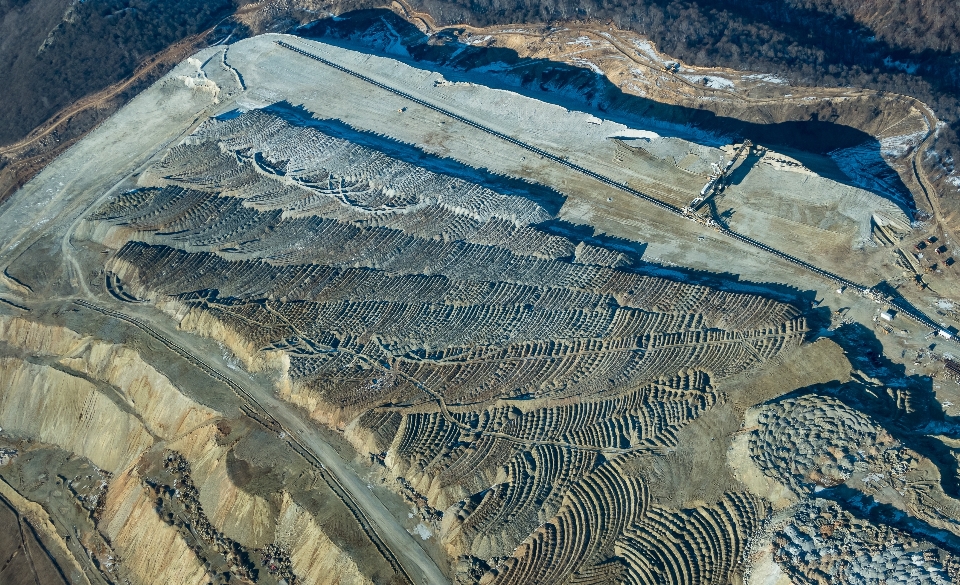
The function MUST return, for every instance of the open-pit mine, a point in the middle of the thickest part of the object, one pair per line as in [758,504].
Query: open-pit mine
[303,313]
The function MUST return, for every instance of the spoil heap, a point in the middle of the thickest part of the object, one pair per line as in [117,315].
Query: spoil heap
[510,376]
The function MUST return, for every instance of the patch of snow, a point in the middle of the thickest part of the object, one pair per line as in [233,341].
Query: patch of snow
[867,169]
[582,41]
[713,81]
[900,145]
[478,40]
[422,531]
[589,64]
[646,48]
[767,77]
[395,46]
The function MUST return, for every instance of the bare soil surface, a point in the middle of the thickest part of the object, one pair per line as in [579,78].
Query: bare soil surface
[331,314]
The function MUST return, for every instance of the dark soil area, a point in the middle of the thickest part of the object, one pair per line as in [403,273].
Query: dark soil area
[23,558]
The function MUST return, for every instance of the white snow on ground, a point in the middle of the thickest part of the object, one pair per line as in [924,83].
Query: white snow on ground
[713,81]
[477,40]
[720,83]
[584,41]
[898,146]
[947,164]
[648,51]
[422,531]
[868,170]
[589,64]
[395,46]
[769,78]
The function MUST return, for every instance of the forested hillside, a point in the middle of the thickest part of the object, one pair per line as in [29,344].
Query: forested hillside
[53,52]
[910,46]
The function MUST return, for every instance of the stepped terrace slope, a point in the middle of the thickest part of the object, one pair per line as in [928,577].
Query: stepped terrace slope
[282,321]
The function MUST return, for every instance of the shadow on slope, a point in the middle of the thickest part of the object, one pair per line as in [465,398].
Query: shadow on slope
[546,197]
[907,407]
[382,31]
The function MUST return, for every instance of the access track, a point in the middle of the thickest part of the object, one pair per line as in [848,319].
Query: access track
[901,304]
[584,171]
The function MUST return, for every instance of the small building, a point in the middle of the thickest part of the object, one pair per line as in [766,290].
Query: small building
[941,249]
[947,333]
[888,315]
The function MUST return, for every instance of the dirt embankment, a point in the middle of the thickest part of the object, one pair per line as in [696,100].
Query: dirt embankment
[622,73]
[179,494]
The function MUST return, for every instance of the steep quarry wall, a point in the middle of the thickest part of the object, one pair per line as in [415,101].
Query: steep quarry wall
[152,550]
[244,517]
[55,407]
[104,402]
[161,406]
[314,557]
[158,404]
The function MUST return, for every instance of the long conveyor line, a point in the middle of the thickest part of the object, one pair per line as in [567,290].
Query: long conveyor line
[906,309]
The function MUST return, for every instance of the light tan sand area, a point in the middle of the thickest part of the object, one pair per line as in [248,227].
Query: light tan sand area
[274,323]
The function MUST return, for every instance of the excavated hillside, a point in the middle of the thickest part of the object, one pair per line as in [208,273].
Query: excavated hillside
[301,313]
[158,487]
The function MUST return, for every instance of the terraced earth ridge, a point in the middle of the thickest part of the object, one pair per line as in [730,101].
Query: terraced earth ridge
[434,319]
[275,323]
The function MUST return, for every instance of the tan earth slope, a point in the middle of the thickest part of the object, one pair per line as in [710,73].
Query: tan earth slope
[301,313]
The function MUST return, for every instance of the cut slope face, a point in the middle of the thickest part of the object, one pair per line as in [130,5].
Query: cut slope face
[506,376]
[126,447]
[370,339]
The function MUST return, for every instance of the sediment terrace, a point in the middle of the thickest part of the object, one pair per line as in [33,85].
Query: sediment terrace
[607,180]
[307,333]
[431,317]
